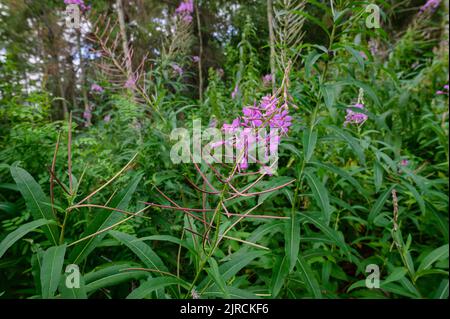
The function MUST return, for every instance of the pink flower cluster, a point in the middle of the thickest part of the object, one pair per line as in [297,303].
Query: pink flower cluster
[444,90]
[266,114]
[87,115]
[80,3]
[177,69]
[185,10]
[96,88]
[130,83]
[373,47]
[267,79]
[430,5]
[353,117]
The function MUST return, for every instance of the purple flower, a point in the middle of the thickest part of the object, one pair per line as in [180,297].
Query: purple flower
[231,128]
[404,162]
[265,114]
[235,92]
[244,163]
[444,90]
[373,47]
[187,18]
[355,117]
[87,115]
[266,170]
[430,5]
[196,58]
[80,3]
[96,88]
[177,69]
[213,123]
[187,6]
[130,83]
[185,10]
[267,79]
[107,118]
[77,2]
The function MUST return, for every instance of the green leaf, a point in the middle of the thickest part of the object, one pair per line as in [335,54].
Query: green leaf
[72,293]
[442,291]
[367,89]
[114,279]
[36,200]
[308,277]
[292,240]
[396,274]
[397,289]
[213,272]
[359,59]
[358,284]
[237,262]
[320,194]
[17,234]
[440,220]
[329,92]
[332,234]
[310,60]
[344,174]
[272,183]
[108,270]
[309,143]
[417,196]
[52,263]
[379,204]
[377,176]
[313,20]
[153,284]
[291,148]
[280,271]
[435,255]
[141,250]
[102,220]
[352,142]
[234,293]
[169,238]
[36,265]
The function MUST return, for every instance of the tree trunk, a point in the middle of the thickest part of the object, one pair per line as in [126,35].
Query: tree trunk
[61,91]
[83,79]
[123,34]
[200,54]
[271,42]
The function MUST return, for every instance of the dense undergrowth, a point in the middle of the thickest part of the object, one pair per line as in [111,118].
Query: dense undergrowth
[362,174]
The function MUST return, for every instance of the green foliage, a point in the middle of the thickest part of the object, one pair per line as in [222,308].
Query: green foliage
[369,193]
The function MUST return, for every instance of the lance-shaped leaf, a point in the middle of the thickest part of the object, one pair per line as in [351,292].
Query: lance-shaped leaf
[308,277]
[309,143]
[141,250]
[292,240]
[36,201]
[14,236]
[320,195]
[379,204]
[52,263]
[153,284]
[102,220]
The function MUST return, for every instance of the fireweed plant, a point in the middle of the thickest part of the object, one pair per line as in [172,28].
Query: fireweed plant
[92,205]
[271,112]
